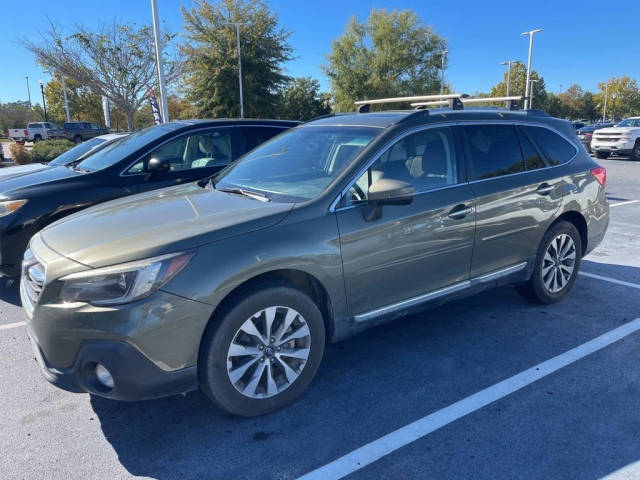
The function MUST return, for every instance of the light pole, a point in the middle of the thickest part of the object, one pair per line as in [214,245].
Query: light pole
[237,25]
[44,103]
[531,101]
[28,91]
[157,40]
[606,94]
[444,54]
[531,33]
[509,63]
[66,102]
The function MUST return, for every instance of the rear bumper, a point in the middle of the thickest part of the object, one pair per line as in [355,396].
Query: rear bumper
[135,377]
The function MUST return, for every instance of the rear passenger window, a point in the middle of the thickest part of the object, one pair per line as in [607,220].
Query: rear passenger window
[556,149]
[494,150]
[531,158]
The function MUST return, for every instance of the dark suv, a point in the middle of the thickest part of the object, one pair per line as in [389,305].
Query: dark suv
[78,132]
[234,285]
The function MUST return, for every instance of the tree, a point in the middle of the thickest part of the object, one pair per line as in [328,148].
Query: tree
[517,87]
[117,61]
[623,98]
[18,114]
[84,105]
[211,83]
[392,54]
[302,100]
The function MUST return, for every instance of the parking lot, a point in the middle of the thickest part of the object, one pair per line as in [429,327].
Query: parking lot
[487,387]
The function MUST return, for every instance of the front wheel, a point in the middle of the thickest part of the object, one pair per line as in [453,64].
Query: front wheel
[603,155]
[77,139]
[37,138]
[556,265]
[635,153]
[264,352]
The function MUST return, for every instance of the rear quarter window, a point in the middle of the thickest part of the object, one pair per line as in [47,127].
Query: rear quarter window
[556,149]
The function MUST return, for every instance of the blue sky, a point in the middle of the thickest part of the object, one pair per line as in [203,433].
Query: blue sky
[583,42]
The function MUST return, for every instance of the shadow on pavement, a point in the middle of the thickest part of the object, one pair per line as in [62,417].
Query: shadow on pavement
[10,291]
[371,385]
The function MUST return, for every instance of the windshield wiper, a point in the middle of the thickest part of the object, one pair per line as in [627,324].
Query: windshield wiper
[247,193]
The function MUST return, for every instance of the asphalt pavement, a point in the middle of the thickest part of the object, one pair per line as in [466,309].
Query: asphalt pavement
[378,395]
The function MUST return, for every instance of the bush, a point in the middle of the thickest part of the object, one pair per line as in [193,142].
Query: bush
[47,150]
[19,154]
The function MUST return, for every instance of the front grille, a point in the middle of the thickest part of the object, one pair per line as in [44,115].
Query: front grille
[32,280]
[607,137]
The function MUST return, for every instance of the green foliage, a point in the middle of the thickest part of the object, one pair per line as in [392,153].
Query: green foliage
[84,105]
[518,81]
[19,154]
[302,100]
[623,99]
[47,150]
[392,54]
[574,103]
[18,115]
[212,63]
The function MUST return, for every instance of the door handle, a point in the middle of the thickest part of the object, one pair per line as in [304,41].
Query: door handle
[460,211]
[544,189]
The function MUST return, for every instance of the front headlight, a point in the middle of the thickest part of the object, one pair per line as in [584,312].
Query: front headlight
[122,283]
[10,206]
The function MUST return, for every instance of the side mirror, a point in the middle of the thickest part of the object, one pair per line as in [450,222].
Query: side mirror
[157,165]
[387,191]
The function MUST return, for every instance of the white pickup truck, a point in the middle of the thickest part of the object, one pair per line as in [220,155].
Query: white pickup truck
[35,132]
[621,139]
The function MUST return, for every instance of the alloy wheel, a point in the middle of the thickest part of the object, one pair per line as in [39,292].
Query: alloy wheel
[268,352]
[558,263]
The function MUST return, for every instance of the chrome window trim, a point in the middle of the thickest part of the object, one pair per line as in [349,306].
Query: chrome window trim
[434,294]
[189,132]
[333,207]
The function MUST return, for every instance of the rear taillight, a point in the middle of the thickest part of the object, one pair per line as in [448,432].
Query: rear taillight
[26,132]
[589,135]
[600,174]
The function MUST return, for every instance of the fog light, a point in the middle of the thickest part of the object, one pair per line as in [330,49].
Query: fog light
[104,376]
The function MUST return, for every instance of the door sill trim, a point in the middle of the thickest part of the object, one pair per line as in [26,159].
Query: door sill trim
[456,287]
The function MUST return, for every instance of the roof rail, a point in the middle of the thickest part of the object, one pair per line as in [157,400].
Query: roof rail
[453,99]
[511,102]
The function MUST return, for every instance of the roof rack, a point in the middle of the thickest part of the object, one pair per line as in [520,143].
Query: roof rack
[511,102]
[453,99]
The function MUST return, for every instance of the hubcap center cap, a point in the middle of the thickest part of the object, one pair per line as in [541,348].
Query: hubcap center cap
[269,351]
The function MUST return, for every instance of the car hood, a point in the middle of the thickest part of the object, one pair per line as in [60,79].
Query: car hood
[616,130]
[19,170]
[36,176]
[158,222]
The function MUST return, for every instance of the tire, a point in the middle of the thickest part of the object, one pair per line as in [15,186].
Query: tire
[250,392]
[77,139]
[37,138]
[546,286]
[603,155]
[635,152]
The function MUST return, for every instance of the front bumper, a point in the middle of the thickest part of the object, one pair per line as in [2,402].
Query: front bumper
[621,147]
[136,378]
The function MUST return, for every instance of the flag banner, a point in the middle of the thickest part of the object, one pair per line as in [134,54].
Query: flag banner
[154,106]
[105,111]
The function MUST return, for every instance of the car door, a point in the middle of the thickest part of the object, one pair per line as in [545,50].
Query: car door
[411,250]
[191,156]
[516,196]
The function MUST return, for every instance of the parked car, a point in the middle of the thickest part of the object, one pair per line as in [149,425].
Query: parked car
[577,124]
[78,132]
[234,285]
[621,139]
[586,133]
[168,154]
[35,132]
[72,155]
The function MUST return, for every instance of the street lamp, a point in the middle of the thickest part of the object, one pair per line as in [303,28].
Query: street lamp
[606,94]
[28,91]
[444,54]
[237,25]
[509,63]
[531,33]
[44,103]
[532,82]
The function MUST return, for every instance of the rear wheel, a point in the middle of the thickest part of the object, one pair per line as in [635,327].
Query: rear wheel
[556,265]
[37,138]
[77,139]
[264,352]
[603,155]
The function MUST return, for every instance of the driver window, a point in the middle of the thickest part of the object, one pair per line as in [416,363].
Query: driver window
[425,159]
[205,149]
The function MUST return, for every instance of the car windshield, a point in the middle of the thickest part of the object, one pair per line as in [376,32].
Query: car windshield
[298,164]
[116,151]
[76,152]
[630,122]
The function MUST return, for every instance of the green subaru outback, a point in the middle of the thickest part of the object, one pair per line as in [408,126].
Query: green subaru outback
[234,284]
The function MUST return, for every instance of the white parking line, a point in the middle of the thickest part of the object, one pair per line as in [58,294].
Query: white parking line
[12,325]
[610,280]
[623,203]
[391,442]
